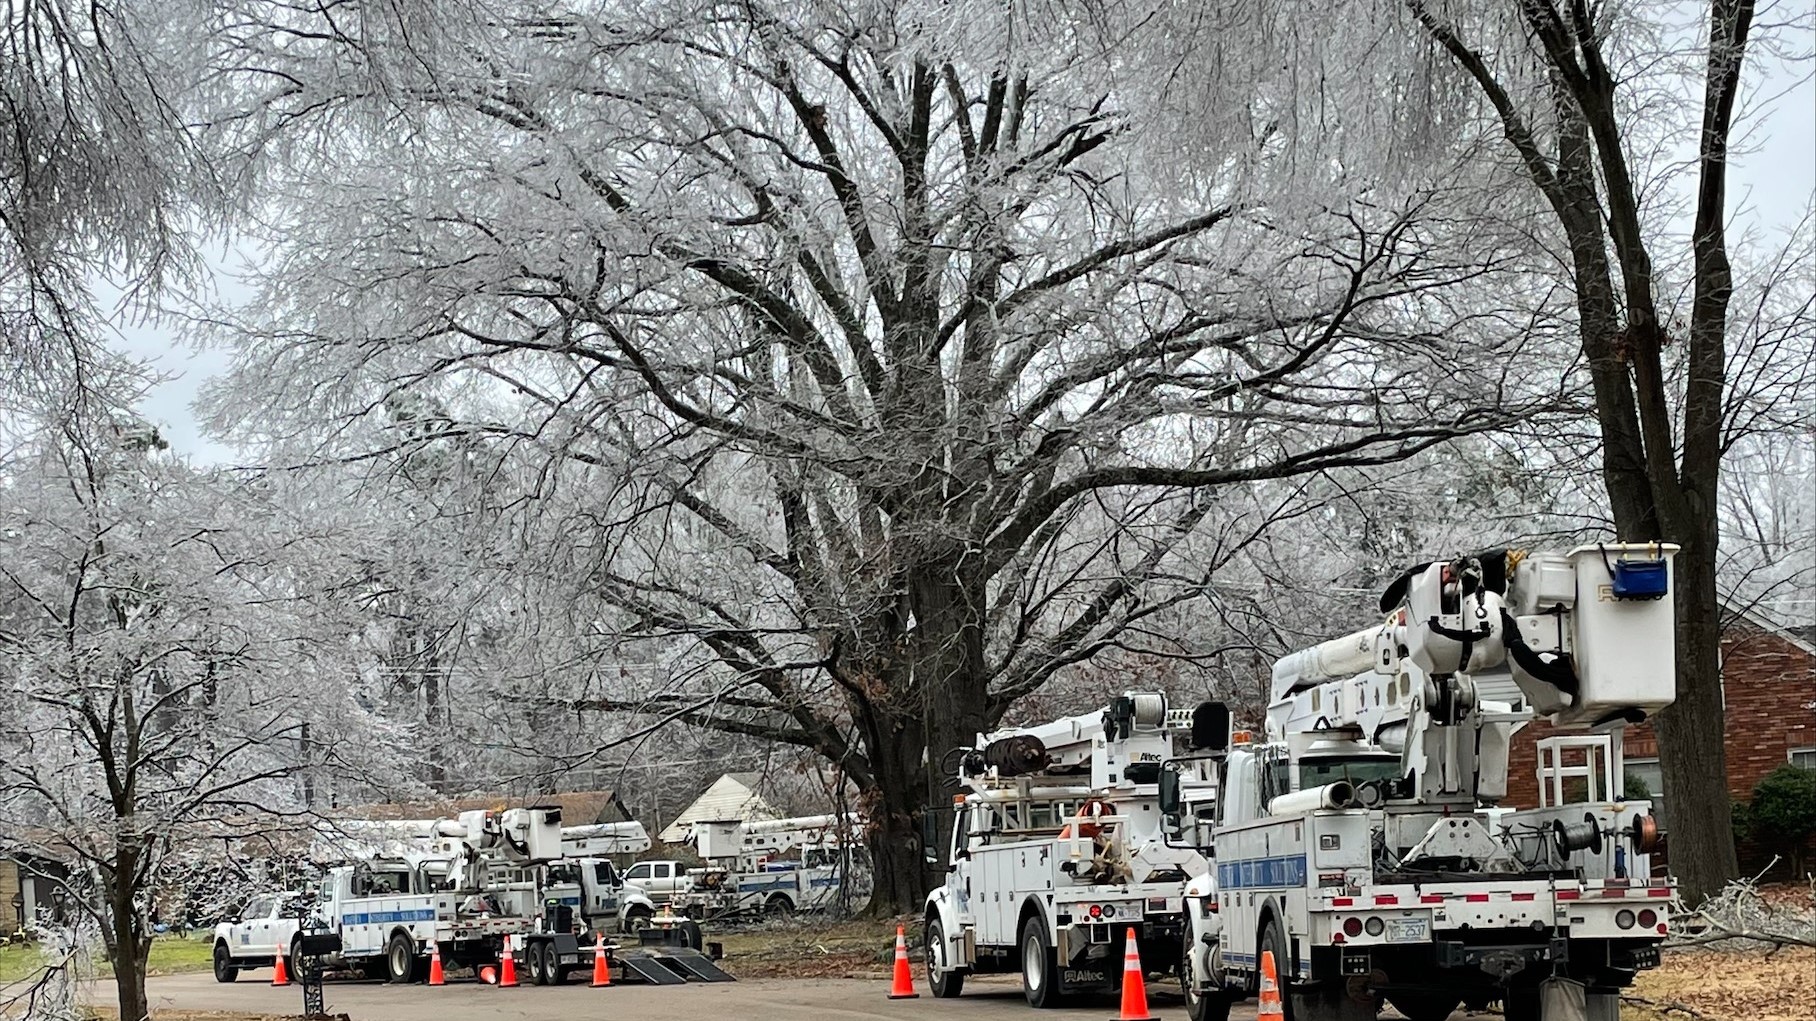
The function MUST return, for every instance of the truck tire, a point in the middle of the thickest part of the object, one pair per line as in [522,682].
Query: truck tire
[1199,1006]
[400,959]
[224,968]
[637,919]
[945,983]
[293,959]
[1274,938]
[1425,1005]
[535,964]
[778,908]
[1040,967]
[691,935]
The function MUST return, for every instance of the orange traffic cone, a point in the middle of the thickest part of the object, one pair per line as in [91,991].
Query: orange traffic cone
[507,965]
[280,973]
[903,987]
[602,969]
[436,976]
[1134,985]
[1270,1006]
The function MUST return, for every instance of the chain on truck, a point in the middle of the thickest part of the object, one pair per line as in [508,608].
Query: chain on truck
[1057,851]
[1363,844]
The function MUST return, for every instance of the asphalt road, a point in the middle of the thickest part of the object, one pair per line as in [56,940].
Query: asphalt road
[748,1000]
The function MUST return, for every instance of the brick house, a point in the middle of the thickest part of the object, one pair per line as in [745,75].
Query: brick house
[1769,690]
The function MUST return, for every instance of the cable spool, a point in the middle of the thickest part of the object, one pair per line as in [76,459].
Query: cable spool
[1577,836]
[1150,708]
[1645,836]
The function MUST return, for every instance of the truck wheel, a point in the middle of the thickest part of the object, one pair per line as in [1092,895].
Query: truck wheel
[224,968]
[1424,1006]
[1272,938]
[778,908]
[637,919]
[293,960]
[691,935]
[1199,1006]
[400,958]
[1040,970]
[533,965]
[945,983]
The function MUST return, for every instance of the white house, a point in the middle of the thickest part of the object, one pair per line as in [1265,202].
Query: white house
[732,796]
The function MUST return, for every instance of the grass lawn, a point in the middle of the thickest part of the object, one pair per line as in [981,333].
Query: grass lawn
[169,956]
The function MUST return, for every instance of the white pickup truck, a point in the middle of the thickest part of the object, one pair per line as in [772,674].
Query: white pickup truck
[264,928]
[660,880]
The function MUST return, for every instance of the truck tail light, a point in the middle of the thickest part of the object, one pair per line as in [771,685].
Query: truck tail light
[1352,926]
[1648,918]
[1096,911]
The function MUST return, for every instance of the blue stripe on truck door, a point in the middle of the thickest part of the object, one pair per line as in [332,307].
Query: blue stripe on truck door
[1258,873]
[383,917]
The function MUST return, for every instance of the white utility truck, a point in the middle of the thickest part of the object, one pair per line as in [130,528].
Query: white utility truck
[466,883]
[1364,845]
[257,934]
[774,868]
[1058,850]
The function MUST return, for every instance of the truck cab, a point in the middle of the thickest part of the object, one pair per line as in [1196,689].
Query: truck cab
[598,894]
[660,880]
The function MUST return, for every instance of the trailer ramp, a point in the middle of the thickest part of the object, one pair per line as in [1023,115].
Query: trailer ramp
[694,966]
[649,969]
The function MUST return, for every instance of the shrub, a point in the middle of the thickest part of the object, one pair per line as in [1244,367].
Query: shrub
[1783,811]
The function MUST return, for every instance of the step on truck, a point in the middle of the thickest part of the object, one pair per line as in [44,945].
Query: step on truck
[1363,844]
[1058,850]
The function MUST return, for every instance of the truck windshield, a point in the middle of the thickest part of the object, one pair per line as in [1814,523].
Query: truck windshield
[1356,770]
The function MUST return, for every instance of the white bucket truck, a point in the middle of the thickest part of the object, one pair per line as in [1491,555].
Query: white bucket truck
[1059,850]
[774,868]
[1363,844]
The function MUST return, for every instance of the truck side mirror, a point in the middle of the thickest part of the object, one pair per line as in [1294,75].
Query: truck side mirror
[1211,727]
[1169,790]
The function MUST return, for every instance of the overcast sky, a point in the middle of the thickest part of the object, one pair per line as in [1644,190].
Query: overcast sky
[1773,188]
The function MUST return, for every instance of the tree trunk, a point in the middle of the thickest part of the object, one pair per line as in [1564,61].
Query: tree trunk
[1694,760]
[128,944]
[946,711]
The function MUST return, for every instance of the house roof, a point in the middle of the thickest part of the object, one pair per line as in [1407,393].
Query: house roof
[732,796]
[1803,636]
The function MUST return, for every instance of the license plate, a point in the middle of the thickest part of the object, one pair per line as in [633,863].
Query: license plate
[1408,930]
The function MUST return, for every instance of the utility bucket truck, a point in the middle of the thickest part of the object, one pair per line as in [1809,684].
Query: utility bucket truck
[1058,849]
[753,874]
[1363,844]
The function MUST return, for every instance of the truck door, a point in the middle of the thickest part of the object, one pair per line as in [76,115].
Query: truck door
[602,892]
[255,928]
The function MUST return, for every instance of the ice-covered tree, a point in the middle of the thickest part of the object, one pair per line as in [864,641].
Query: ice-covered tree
[873,361]
[164,682]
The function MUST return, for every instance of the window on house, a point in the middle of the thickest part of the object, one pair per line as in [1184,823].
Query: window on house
[1645,773]
[1802,758]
